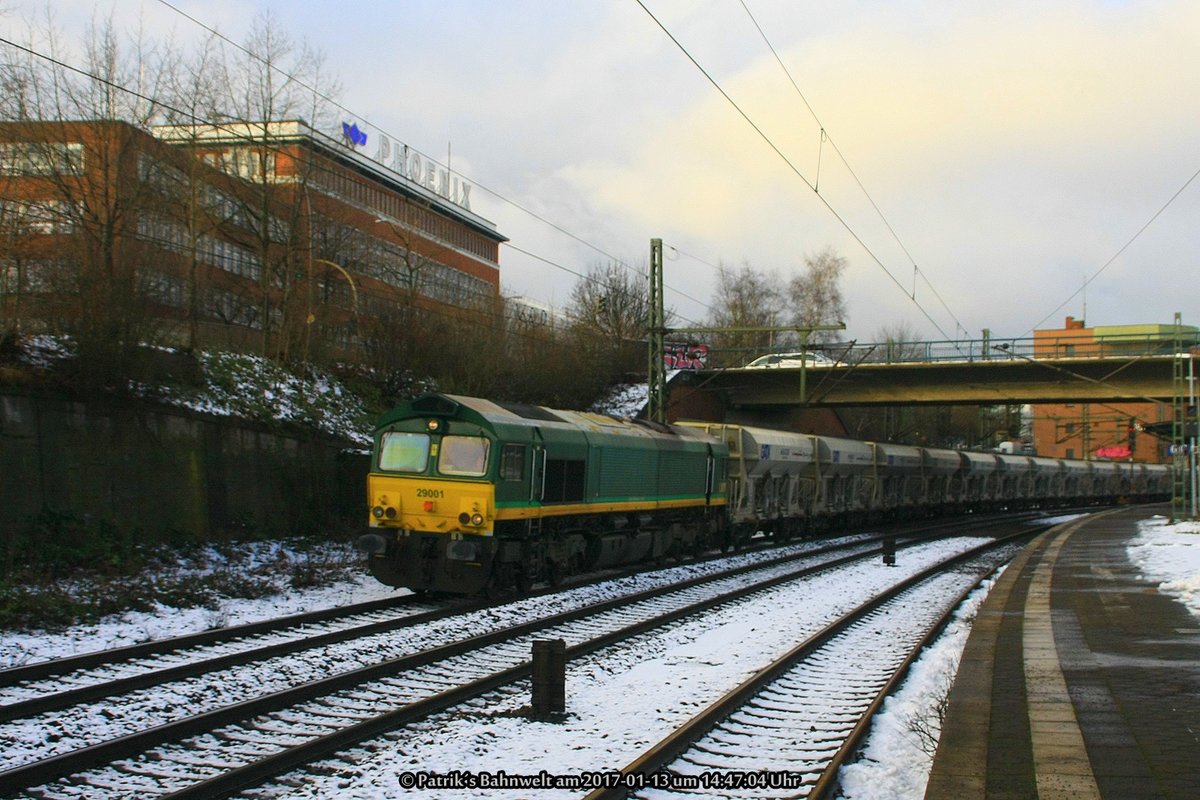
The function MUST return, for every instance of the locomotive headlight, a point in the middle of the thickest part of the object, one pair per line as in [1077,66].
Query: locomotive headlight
[377,512]
[390,512]
[475,519]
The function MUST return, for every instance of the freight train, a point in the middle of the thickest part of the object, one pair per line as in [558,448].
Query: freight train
[469,495]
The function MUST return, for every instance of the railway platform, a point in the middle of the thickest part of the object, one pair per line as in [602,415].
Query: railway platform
[1079,679]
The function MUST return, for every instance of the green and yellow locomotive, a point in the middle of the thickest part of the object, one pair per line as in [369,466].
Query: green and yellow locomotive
[468,495]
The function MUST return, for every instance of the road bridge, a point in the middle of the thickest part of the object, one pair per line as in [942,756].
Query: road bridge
[993,382]
[980,372]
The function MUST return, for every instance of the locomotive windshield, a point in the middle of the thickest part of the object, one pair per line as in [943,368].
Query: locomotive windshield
[463,455]
[404,452]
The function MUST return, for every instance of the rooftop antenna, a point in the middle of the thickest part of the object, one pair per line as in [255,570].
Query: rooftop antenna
[1085,283]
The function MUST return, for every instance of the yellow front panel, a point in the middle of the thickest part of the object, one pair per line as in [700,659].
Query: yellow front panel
[431,504]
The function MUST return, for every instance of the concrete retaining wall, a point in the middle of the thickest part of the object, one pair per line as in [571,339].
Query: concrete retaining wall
[156,469]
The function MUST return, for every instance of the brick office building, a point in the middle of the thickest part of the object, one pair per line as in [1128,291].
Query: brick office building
[268,236]
[1113,431]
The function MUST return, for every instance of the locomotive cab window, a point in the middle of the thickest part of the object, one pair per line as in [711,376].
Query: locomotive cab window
[463,455]
[404,452]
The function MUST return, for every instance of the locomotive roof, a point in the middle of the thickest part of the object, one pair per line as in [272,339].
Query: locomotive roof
[522,414]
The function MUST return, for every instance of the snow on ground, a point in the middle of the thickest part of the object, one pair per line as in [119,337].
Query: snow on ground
[898,754]
[133,627]
[894,766]
[620,700]
[1169,556]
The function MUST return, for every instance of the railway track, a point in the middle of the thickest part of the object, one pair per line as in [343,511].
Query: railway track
[440,748]
[337,710]
[47,686]
[826,689]
[38,686]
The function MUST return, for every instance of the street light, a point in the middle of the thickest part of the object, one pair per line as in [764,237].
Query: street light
[411,267]
[349,280]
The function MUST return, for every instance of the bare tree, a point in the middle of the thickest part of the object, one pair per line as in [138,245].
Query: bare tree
[16,256]
[273,79]
[816,295]
[611,301]
[609,314]
[80,181]
[745,298]
[193,90]
[896,342]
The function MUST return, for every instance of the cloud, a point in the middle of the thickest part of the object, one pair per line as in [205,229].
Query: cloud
[1015,146]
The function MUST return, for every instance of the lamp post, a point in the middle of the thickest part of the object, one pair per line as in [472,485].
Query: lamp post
[349,279]
[410,269]
[353,296]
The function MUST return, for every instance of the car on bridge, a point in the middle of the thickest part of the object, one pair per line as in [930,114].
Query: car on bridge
[786,360]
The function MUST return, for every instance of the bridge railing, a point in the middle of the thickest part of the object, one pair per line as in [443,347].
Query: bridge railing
[972,350]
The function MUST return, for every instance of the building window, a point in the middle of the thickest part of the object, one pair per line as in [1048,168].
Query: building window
[41,158]
[162,288]
[33,276]
[36,217]
[248,163]
[219,253]
[232,309]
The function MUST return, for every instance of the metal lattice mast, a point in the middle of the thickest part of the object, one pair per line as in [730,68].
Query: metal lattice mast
[656,407]
[1179,477]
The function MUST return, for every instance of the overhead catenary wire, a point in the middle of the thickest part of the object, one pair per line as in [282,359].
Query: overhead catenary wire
[1117,254]
[917,270]
[824,136]
[233,131]
[791,166]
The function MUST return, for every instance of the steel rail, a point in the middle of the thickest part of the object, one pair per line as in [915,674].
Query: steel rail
[827,782]
[59,700]
[130,745]
[657,757]
[243,778]
[117,686]
[59,666]
[11,676]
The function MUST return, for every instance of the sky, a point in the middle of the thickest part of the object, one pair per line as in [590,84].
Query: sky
[983,165]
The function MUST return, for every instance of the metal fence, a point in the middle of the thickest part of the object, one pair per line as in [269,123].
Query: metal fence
[972,350]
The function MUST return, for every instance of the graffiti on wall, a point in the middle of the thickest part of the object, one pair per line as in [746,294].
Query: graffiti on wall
[685,356]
